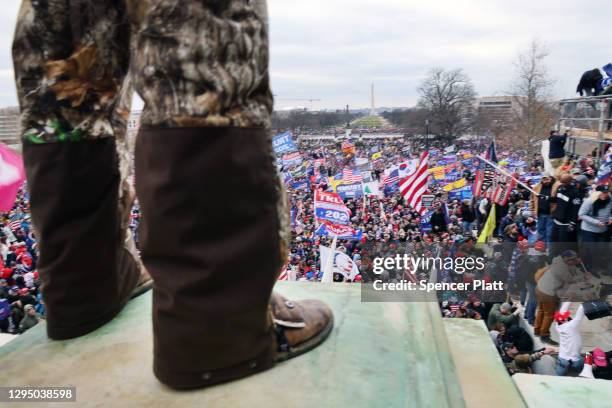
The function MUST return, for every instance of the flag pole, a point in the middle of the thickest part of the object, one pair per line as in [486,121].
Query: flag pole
[364,197]
[328,275]
[505,173]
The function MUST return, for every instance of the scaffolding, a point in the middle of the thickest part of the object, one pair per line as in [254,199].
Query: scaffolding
[10,126]
[588,120]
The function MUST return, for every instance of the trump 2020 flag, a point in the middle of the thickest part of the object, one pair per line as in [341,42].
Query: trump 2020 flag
[11,177]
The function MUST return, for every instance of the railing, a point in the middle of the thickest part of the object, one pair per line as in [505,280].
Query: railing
[590,119]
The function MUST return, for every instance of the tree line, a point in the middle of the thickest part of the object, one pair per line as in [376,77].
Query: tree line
[447,106]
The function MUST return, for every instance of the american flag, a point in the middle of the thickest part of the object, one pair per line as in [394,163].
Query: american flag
[391,178]
[351,176]
[414,186]
[15,223]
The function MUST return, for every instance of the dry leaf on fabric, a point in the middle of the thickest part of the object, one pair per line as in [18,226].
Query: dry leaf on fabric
[74,78]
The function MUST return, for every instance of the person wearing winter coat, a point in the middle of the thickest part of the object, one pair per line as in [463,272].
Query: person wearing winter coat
[29,320]
[438,221]
[502,314]
[550,286]
[590,83]
[596,216]
[468,216]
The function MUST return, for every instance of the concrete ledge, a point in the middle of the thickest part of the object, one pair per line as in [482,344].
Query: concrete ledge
[482,375]
[378,355]
[563,392]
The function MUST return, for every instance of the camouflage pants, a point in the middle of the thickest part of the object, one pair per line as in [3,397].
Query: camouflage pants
[195,63]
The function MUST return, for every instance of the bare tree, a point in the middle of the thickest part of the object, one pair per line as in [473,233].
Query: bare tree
[449,97]
[488,123]
[531,91]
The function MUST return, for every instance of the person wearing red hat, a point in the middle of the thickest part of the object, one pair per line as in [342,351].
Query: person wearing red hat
[602,364]
[6,273]
[540,246]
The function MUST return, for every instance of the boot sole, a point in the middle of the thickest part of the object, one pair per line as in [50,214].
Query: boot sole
[142,288]
[306,346]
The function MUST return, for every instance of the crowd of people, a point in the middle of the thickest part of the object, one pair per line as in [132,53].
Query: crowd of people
[553,232]
[21,304]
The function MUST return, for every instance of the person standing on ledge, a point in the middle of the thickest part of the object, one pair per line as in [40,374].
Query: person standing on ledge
[556,153]
[201,68]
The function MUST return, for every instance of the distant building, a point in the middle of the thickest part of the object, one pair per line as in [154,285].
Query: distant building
[501,110]
[10,127]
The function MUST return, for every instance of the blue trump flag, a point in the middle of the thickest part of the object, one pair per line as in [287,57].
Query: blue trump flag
[283,143]
[425,224]
[464,193]
[350,191]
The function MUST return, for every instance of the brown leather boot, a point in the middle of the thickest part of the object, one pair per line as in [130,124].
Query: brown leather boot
[213,236]
[87,272]
[300,326]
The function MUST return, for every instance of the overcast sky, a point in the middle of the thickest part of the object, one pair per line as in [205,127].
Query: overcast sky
[334,49]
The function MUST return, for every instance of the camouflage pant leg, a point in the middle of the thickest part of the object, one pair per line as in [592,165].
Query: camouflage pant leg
[203,64]
[194,63]
[71,60]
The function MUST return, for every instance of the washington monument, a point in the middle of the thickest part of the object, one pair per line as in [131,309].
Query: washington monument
[373,108]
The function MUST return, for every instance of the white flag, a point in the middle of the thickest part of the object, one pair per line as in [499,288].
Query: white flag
[548,168]
[341,264]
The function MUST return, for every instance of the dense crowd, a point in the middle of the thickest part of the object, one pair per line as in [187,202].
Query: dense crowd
[386,219]
[21,304]
[552,221]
